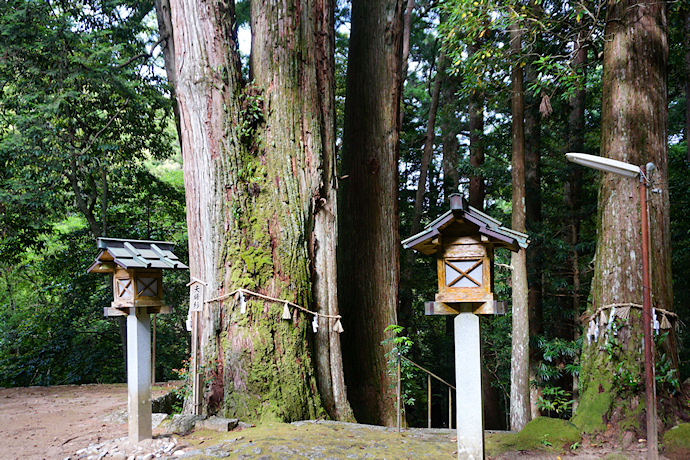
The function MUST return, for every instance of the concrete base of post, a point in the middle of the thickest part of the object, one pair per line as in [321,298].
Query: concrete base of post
[139,374]
[468,381]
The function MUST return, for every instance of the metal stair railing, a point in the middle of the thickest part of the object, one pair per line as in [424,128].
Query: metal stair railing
[428,379]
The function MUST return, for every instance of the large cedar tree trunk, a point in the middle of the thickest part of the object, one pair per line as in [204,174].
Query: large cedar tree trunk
[368,248]
[259,179]
[634,125]
[519,363]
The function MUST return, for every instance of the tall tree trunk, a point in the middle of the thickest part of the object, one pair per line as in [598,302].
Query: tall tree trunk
[368,247]
[476,125]
[519,363]
[533,223]
[428,149]
[258,171]
[573,189]
[449,137]
[407,31]
[165,31]
[634,125]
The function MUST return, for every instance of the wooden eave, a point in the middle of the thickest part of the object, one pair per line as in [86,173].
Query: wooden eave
[134,254]
[427,241]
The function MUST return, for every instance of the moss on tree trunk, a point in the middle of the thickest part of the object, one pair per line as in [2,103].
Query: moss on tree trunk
[634,122]
[258,159]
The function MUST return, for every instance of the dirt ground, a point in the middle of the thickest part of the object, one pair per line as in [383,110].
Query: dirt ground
[55,422]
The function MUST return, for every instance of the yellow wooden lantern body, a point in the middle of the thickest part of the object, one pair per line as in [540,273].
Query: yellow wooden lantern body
[138,288]
[465,270]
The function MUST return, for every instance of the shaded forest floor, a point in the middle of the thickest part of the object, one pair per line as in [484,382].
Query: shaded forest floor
[56,422]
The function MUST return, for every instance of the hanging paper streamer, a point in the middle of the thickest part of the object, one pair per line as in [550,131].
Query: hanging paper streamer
[590,332]
[243,303]
[612,317]
[286,312]
[337,327]
[189,321]
[315,323]
[655,322]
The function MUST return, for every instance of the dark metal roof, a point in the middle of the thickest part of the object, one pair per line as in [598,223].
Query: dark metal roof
[426,242]
[134,254]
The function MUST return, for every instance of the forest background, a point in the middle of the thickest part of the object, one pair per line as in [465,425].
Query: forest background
[89,147]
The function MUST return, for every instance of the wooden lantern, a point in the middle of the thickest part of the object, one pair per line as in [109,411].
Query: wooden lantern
[137,269]
[464,240]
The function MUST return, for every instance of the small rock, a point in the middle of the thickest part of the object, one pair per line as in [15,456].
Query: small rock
[178,453]
[218,424]
[118,456]
[148,456]
[182,424]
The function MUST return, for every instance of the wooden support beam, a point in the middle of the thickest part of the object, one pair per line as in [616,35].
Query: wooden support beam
[122,310]
[493,307]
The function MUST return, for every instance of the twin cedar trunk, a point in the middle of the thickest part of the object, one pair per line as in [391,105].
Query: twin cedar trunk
[634,125]
[260,179]
[368,252]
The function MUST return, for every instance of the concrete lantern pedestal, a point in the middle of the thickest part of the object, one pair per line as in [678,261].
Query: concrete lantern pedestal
[468,383]
[139,374]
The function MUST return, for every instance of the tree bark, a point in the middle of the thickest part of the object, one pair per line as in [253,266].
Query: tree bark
[368,249]
[533,223]
[407,31]
[449,137]
[573,189]
[519,365]
[476,124]
[165,32]
[258,168]
[428,150]
[634,130]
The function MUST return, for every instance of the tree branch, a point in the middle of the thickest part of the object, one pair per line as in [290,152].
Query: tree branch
[142,55]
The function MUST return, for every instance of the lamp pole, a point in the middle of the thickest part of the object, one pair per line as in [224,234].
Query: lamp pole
[650,381]
[628,170]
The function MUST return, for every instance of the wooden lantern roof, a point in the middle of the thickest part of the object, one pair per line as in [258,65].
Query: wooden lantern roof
[427,241]
[134,254]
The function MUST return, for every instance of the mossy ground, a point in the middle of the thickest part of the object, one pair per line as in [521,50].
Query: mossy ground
[542,439]
[323,440]
[541,434]
[677,441]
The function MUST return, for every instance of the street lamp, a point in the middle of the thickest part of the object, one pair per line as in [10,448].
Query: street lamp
[631,171]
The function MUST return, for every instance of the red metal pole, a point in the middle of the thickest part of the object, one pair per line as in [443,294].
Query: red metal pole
[650,386]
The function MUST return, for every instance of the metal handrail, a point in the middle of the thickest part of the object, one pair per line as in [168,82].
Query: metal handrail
[429,375]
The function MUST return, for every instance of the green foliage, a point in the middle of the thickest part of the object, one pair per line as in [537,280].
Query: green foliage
[85,128]
[78,101]
[54,330]
[665,373]
[410,376]
[555,400]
